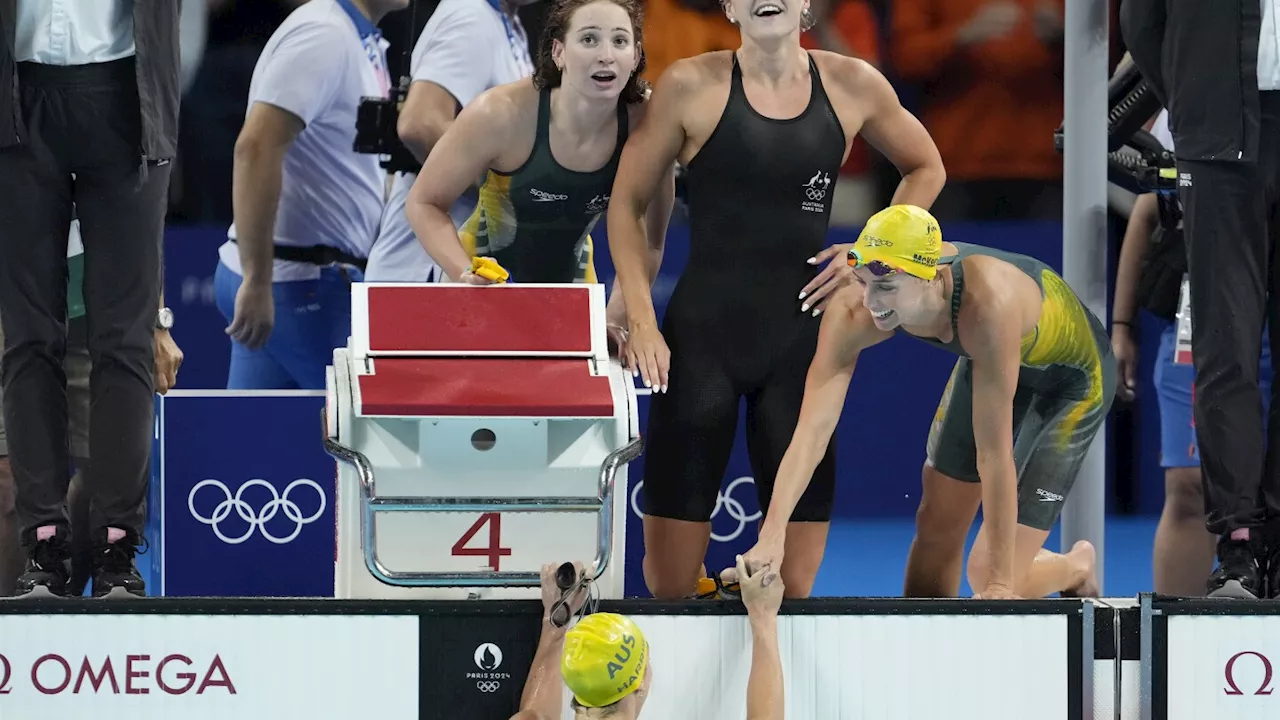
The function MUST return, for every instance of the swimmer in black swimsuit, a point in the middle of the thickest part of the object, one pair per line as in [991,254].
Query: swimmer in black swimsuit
[763,132]
[548,148]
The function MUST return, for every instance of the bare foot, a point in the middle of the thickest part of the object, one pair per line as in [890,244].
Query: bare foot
[1085,559]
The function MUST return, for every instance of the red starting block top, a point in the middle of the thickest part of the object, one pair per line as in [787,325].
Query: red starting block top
[464,319]
[450,387]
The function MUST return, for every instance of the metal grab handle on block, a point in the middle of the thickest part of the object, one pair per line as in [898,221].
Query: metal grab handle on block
[602,504]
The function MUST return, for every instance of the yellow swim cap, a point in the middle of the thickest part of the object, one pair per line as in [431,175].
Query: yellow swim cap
[605,656]
[903,237]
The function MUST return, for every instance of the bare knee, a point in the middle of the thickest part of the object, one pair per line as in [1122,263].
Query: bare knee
[806,544]
[674,550]
[943,518]
[1183,494]
[670,581]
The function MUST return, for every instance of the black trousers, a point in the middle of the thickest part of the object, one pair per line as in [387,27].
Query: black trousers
[1229,223]
[82,121]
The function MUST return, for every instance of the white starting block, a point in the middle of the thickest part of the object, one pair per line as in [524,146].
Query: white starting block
[482,432]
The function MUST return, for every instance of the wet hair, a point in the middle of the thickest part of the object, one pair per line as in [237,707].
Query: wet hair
[807,20]
[547,75]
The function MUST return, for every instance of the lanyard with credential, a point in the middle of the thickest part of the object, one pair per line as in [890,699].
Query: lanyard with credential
[518,44]
[371,39]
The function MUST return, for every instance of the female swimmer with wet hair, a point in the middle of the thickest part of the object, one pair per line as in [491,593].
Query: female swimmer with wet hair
[548,149]
[762,131]
[1034,381]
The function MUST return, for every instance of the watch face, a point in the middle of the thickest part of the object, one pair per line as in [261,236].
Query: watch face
[164,320]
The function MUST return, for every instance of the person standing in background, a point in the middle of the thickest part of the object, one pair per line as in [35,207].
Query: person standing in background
[1215,64]
[214,104]
[1183,550]
[77,364]
[306,204]
[95,94]
[991,72]
[467,47]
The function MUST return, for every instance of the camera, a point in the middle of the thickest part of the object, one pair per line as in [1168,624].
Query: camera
[376,133]
[1136,161]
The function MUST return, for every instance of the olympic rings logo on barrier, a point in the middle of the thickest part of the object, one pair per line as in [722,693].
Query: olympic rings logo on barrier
[488,686]
[257,519]
[724,500]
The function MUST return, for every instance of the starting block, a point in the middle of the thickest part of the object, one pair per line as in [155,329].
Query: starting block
[481,431]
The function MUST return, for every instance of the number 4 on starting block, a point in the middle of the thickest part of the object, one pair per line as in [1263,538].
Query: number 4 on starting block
[493,551]
[459,408]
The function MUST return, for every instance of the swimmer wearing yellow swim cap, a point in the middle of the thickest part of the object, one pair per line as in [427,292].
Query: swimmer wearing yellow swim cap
[605,664]
[1033,382]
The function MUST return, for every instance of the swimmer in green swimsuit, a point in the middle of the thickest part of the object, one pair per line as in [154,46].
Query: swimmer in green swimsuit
[1032,386]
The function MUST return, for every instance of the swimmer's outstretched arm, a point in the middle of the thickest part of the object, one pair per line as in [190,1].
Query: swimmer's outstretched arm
[656,220]
[644,170]
[899,136]
[847,330]
[543,695]
[990,333]
[463,154]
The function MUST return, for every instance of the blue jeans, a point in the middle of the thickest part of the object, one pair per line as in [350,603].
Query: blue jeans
[1174,384]
[312,318]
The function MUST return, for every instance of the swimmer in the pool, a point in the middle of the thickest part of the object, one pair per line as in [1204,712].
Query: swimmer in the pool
[762,132]
[1033,384]
[548,149]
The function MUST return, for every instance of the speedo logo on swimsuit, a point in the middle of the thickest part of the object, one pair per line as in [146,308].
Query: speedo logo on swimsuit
[544,196]
[1046,496]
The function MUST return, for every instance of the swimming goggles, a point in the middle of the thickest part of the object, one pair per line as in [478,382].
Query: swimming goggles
[876,267]
[570,584]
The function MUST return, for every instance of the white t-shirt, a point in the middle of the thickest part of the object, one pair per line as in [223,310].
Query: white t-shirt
[1269,47]
[1160,130]
[467,47]
[318,66]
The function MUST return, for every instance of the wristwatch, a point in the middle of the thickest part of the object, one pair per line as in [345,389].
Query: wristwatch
[164,319]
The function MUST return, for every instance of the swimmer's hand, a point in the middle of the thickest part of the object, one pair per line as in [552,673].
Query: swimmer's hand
[837,274]
[483,271]
[768,552]
[617,339]
[551,593]
[648,356]
[761,592]
[996,591]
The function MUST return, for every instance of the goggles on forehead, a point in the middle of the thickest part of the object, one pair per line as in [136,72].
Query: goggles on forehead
[877,268]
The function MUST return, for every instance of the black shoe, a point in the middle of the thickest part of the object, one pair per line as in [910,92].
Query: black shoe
[48,567]
[1273,573]
[1238,574]
[114,573]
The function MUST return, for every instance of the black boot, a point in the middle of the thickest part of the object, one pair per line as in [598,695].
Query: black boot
[114,573]
[48,565]
[1239,574]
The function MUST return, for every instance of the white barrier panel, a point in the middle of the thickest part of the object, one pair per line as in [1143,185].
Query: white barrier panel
[1222,667]
[208,667]
[245,659]
[892,667]
[1209,659]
